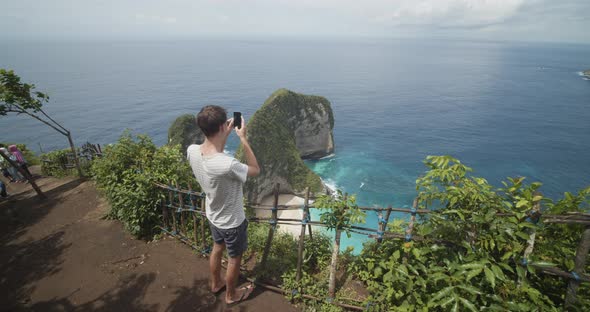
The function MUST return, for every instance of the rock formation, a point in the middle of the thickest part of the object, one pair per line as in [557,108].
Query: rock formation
[185,131]
[288,127]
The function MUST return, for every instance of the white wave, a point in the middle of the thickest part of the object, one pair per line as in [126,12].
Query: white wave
[328,156]
[580,73]
[331,185]
[362,184]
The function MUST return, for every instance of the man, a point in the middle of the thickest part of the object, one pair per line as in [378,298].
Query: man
[222,177]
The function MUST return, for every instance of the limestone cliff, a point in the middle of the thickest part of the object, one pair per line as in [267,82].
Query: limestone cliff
[288,127]
[185,131]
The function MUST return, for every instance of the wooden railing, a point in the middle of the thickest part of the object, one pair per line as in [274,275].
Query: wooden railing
[186,205]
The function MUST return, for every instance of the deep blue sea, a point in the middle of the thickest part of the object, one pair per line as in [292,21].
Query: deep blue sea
[503,108]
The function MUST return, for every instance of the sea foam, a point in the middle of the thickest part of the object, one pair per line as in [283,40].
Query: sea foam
[331,185]
[328,156]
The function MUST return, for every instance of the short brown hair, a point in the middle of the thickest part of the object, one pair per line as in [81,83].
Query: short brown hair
[210,118]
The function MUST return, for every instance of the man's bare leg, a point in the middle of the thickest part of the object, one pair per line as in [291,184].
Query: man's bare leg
[215,266]
[231,279]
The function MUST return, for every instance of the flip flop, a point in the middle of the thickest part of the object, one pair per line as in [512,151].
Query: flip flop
[217,292]
[247,290]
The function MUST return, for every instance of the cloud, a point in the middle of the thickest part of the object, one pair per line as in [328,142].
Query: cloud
[449,13]
[546,20]
[154,19]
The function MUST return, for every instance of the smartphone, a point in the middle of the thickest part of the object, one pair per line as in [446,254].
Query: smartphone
[238,120]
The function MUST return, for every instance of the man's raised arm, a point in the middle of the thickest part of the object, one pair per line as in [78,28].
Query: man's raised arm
[253,168]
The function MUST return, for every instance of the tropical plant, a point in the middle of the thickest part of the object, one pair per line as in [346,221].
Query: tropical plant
[340,212]
[126,174]
[55,163]
[469,257]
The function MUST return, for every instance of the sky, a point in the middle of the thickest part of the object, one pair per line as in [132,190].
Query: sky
[514,20]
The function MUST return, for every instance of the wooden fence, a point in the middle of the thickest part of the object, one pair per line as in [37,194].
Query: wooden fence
[185,205]
[86,153]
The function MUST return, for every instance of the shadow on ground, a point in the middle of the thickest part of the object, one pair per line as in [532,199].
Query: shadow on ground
[129,294]
[25,261]
[23,210]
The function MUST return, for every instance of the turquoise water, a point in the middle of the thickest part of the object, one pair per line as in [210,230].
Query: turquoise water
[505,109]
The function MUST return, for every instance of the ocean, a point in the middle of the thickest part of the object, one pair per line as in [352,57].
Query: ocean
[503,108]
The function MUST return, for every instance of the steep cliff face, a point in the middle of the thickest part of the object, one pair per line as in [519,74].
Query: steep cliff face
[288,127]
[185,131]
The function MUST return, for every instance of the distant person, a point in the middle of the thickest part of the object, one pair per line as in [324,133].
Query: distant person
[4,168]
[3,190]
[17,177]
[20,159]
[222,177]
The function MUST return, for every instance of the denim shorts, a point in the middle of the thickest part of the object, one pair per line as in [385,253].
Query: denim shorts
[235,239]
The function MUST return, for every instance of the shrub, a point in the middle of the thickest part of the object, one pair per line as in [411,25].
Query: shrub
[283,252]
[54,164]
[126,174]
[470,258]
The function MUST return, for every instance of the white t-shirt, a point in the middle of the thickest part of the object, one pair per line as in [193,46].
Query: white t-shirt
[221,177]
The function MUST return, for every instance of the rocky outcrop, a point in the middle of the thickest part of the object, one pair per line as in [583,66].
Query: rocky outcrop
[586,73]
[288,127]
[185,131]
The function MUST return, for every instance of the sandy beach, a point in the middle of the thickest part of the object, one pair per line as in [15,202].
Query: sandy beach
[284,199]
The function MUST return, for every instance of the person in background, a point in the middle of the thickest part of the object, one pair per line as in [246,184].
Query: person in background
[20,159]
[222,177]
[4,167]
[17,177]
[3,190]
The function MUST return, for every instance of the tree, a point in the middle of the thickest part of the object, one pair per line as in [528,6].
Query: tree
[21,98]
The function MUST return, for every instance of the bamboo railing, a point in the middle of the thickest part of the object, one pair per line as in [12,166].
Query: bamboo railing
[182,202]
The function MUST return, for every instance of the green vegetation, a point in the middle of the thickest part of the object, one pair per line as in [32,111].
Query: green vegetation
[56,164]
[270,133]
[184,131]
[126,174]
[340,211]
[471,258]
[468,258]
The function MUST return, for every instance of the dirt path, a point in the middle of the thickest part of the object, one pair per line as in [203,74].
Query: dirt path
[59,255]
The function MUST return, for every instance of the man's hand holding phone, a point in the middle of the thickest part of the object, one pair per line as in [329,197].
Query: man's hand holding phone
[240,126]
[241,131]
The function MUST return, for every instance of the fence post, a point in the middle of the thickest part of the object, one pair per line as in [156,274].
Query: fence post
[387,215]
[306,203]
[164,214]
[180,208]
[382,224]
[171,201]
[533,217]
[203,217]
[304,218]
[410,228]
[194,213]
[579,264]
[334,261]
[380,227]
[271,230]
